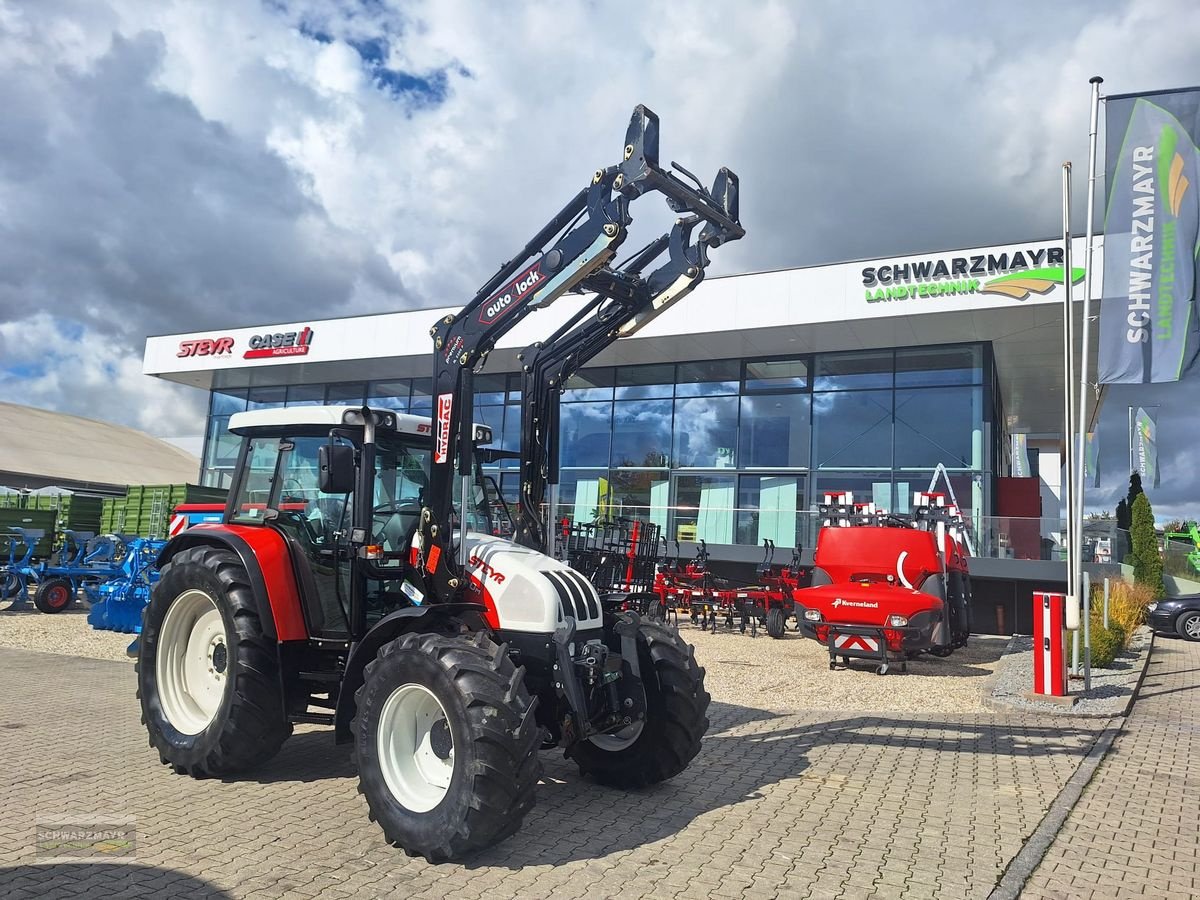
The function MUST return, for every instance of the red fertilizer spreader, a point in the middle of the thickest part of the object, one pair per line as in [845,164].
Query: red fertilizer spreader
[888,587]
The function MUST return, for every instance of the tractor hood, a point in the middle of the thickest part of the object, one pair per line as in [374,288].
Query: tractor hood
[526,590]
[865,604]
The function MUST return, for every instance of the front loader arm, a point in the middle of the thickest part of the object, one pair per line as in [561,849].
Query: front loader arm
[572,247]
[623,303]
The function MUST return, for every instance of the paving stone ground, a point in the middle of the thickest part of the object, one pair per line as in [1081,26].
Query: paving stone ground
[1135,832]
[777,805]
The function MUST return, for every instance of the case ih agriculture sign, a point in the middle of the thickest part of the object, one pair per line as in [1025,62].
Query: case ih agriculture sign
[283,343]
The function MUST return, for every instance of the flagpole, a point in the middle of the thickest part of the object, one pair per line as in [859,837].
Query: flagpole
[1081,411]
[1068,381]
[1129,435]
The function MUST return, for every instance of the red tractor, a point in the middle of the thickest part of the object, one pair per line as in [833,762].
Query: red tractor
[888,587]
[358,579]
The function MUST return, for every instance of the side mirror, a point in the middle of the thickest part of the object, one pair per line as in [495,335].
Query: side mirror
[336,462]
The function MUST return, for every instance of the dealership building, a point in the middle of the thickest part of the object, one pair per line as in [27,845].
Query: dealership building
[730,416]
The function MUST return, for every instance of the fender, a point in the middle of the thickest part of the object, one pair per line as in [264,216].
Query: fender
[264,555]
[390,627]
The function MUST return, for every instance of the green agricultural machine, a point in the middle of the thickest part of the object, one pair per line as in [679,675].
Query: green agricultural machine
[1192,535]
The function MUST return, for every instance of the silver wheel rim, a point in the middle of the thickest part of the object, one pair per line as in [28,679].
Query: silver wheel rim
[620,740]
[415,746]
[192,664]
[1192,627]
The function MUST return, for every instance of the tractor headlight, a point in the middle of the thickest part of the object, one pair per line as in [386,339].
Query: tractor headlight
[812,615]
[895,621]
[1151,607]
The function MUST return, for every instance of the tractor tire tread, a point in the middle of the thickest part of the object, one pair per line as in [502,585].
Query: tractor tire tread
[501,717]
[677,719]
[255,725]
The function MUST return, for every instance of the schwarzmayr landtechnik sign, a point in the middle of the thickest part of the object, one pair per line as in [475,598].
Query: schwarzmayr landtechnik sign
[1016,274]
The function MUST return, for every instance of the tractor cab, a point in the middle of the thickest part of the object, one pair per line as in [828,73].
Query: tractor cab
[287,481]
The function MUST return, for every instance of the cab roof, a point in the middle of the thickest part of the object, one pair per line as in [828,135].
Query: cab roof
[326,417]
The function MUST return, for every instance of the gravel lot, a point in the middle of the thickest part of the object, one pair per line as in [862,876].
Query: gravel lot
[1112,688]
[784,675]
[792,673]
[65,632]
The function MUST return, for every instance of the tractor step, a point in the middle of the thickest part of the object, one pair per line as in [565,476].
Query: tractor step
[311,719]
[323,677]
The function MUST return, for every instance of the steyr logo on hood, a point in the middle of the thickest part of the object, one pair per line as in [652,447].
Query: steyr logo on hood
[283,343]
[512,295]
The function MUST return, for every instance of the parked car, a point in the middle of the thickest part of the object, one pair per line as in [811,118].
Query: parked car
[1176,615]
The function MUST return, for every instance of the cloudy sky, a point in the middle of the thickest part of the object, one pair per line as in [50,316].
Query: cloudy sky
[168,165]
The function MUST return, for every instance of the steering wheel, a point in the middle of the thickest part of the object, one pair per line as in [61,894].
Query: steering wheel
[385,513]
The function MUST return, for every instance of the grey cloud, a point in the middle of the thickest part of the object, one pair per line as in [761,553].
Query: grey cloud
[124,210]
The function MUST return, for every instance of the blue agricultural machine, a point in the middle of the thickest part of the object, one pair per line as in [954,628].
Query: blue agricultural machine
[115,575]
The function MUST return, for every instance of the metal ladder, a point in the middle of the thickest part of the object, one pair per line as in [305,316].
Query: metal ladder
[158,514]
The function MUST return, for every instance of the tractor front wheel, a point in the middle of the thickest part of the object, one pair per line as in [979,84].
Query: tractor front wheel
[54,595]
[208,678]
[661,746]
[446,742]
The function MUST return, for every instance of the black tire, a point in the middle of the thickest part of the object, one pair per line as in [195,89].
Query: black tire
[676,717]
[656,611]
[250,724]
[492,723]
[1189,620]
[54,595]
[776,623]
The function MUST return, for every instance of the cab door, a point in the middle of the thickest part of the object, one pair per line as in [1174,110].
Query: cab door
[317,526]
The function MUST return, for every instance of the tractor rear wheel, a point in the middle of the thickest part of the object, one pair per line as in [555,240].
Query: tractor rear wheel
[208,678]
[661,746]
[776,623]
[447,744]
[54,595]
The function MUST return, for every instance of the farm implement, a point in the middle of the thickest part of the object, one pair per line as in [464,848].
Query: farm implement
[114,572]
[887,587]
[619,559]
[712,600]
[110,572]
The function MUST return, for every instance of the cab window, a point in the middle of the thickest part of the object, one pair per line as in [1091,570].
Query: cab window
[258,478]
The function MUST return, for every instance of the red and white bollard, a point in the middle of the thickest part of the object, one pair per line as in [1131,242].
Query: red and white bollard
[1049,646]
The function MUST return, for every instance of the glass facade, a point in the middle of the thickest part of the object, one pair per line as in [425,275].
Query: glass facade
[728,451]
